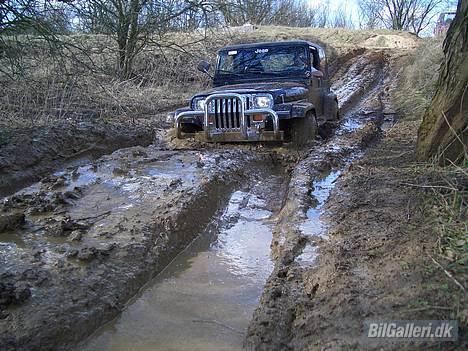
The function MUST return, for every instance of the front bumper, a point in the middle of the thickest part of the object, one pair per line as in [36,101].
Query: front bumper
[243,132]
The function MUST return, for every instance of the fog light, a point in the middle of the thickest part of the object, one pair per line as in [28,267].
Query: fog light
[257,117]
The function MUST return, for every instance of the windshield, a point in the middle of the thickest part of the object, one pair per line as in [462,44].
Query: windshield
[272,60]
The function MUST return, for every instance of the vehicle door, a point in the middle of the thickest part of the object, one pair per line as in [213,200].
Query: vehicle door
[317,80]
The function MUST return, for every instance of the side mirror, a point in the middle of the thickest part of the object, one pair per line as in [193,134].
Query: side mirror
[204,66]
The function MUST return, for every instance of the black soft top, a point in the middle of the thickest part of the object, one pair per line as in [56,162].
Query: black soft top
[270,44]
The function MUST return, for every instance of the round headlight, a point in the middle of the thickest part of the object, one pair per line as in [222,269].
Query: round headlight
[200,104]
[263,101]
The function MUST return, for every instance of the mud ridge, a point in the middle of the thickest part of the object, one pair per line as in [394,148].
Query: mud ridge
[33,153]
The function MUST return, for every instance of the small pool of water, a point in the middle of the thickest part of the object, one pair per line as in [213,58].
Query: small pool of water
[322,188]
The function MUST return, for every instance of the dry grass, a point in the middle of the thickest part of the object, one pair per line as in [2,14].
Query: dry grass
[446,186]
[449,199]
[417,80]
[81,83]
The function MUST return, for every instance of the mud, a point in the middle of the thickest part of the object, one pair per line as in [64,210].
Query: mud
[351,242]
[92,236]
[303,225]
[29,154]
[200,246]
[204,299]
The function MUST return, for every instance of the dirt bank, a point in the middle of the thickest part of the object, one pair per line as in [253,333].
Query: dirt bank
[27,154]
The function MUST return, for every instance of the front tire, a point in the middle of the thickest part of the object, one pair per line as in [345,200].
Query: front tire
[337,112]
[303,130]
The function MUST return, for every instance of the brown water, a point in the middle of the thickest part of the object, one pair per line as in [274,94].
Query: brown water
[322,188]
[205,298]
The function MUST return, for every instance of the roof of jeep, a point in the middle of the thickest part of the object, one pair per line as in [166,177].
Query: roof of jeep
[268,44]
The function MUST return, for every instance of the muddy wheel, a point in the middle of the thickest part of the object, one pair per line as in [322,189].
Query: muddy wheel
[187,128]
[303,130]
[337,112]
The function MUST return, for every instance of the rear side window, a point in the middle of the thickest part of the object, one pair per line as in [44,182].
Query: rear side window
[315,58]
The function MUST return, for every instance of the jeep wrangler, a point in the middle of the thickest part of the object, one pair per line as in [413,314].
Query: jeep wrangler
[277,91]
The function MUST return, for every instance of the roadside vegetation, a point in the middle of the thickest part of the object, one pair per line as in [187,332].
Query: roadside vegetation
[83,85]
[443,182]
[418,78]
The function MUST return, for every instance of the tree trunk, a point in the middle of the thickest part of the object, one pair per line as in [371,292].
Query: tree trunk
[443,131]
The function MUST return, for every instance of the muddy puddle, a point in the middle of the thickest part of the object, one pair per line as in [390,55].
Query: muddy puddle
[313,225]
[204,299]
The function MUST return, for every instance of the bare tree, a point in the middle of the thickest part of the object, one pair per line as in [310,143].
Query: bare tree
[368,13]
[239,12]
[134,24]
[443,130]
[323,15]
[342,18]
[412,15]
[293,13]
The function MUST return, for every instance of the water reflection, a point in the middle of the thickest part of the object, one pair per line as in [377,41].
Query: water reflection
[205,298]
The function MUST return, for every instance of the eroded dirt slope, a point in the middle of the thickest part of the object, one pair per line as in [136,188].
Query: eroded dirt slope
[31,153]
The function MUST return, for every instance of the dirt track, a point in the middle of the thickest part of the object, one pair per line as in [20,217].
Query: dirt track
[78,245]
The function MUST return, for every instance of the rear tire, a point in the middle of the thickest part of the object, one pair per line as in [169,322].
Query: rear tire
[303,130]
[337,112]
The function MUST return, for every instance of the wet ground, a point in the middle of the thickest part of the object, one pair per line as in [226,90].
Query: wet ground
[180,247]
[204,299]
[31,153]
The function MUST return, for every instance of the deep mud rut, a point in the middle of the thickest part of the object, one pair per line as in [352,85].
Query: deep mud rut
[76,247]
[204,299]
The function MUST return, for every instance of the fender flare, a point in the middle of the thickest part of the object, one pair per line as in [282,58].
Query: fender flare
[300,109]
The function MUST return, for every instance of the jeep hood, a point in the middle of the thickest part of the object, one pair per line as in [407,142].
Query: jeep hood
[289,90]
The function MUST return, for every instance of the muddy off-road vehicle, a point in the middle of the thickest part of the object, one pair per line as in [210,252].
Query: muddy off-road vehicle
[278,91]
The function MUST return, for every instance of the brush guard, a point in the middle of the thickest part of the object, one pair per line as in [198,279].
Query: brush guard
[226,118]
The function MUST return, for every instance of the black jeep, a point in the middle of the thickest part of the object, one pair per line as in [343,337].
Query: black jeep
[262,92]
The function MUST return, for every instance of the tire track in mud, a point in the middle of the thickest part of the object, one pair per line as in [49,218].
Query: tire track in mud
[301,227]
[204,299]
[77,246]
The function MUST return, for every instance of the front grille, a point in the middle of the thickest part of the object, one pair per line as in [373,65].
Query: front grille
[226,113]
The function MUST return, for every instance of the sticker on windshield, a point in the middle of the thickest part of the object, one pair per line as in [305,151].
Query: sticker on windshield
[261,51]
[233,52]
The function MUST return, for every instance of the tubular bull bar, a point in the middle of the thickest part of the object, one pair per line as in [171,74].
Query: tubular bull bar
[225,119]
